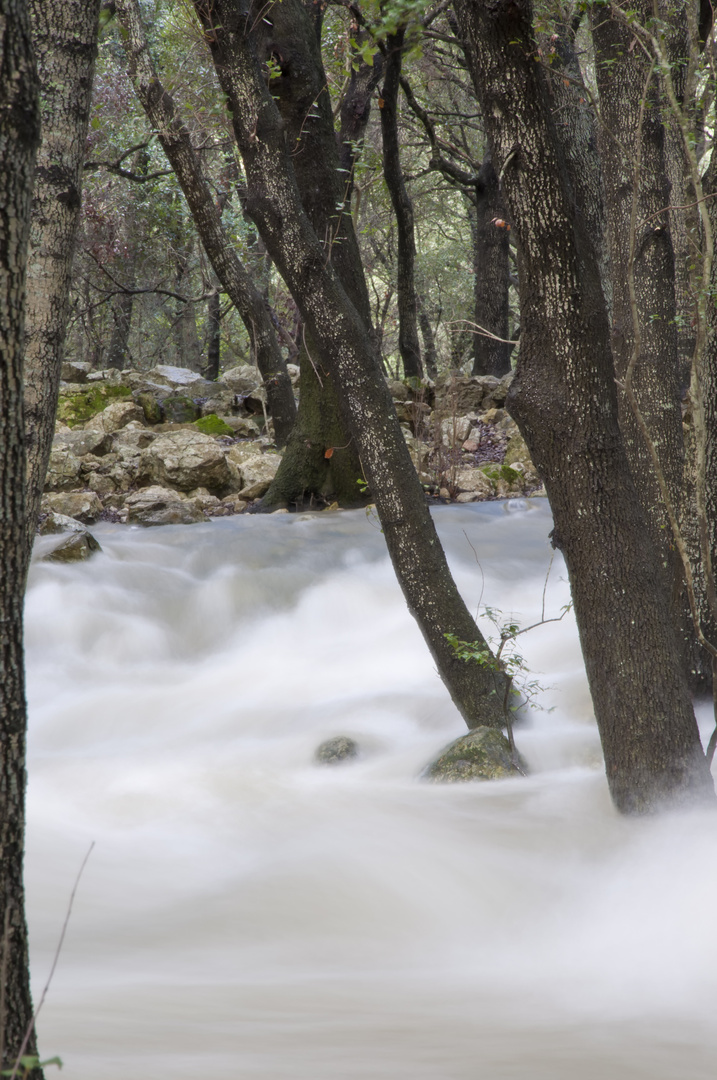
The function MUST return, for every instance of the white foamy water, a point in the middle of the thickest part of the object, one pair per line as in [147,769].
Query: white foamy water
[248,914]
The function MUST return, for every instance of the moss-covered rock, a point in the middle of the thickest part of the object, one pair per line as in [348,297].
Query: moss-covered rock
[482,754]
[336,750]
[180,408]
[149,405]
[213,425]
[79,404]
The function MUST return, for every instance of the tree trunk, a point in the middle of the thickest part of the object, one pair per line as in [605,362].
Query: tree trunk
[176,142]
[564,400]
[490,270]
[19,137]
[306,474]
[408,344]
[214,336]
[65,41]
[345,348]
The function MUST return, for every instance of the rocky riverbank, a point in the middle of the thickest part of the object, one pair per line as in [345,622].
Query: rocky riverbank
[168,447]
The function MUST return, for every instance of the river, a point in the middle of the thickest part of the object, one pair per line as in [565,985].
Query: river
[249,915]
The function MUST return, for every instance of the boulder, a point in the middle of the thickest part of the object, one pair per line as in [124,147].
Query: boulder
[60,523]
[398,390]
[222,403]
[185,460]
[82,442]
[243,380]
[257,473]
[132,439]
[160,506]
[148,401]
[74,371]
[63,470]
[167,375]
[475,482]
[482,754]
[211,424]
[180,408]
[81,505]
[336,750]
[115,417]
[76,545]
[77,404]
[458,394]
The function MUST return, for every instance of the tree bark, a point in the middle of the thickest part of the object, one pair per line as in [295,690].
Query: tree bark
[19,137]
[408,343]
[65,42]
[346,349]
[490,274]
[321,462]
[176,142]
[214,336]
[564,400]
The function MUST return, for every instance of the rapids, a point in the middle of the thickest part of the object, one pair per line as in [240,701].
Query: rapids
[249,915]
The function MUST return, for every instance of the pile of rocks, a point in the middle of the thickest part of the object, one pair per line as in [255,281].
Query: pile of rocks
[168,447]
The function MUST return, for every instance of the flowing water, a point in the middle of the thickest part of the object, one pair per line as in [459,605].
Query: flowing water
[248,914]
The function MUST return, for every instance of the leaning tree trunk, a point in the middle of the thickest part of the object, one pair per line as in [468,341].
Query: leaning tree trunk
[321,462]
[343,343]
[408,344]
[491,282]
[19,136]
[176,142]
[564,400]
[65,41]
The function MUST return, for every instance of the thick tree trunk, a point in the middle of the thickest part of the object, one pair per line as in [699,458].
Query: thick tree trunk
[408,343]
[176,142]
[65,41]
[490,269]
[19,137]
[564,400]
[122,315]
[306,474]
[346,350]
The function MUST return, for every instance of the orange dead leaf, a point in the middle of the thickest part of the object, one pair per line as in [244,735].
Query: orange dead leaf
[381,103]
[329,453]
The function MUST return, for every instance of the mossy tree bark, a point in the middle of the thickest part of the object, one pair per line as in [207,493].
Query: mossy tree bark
[321,462]
[19,137]
[564,400]
[65,42]
[176,142]
[346,350]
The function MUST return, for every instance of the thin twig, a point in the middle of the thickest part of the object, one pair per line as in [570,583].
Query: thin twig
[58,950]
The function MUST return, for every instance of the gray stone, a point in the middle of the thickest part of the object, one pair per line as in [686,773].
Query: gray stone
[257,473]
[180,408]
[74,371]
[336,750]
[474,481]
[167,375]
[81,505]
[159,506]
[115,417]
[63,470]
[73,547]
[60,523]
[82,442]
[185,460]
[482,754]
[243,379]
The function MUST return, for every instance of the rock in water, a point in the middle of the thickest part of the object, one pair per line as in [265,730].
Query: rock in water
[74,547]
[335,750]
[482,754]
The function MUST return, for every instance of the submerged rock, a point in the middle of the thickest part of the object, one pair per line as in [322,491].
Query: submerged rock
[482,754]
[335,750]
[77,543]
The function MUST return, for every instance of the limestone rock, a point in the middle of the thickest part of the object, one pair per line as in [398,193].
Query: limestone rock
[132,438]
[60,523]
[474,481]
[160,506]
[180,408]
[168,375]
[115,417]
[82,442]
[63,470]
[185,460]
[244,379]
[74,371]
[482,754]
[336,750]
[81,505]
[73,547]
[257,473]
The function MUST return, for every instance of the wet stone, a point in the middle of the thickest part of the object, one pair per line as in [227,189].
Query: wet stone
[336,750]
